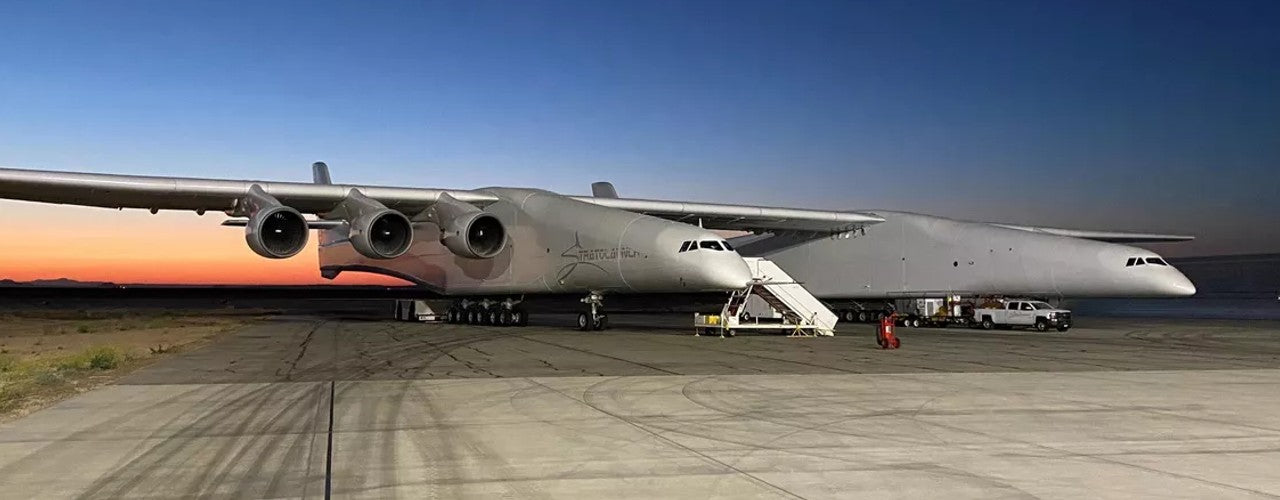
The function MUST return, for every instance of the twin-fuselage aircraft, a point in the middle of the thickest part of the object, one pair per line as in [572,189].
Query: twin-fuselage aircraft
[504,243]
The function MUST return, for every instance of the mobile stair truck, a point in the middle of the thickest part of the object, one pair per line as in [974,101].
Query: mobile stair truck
[773,301]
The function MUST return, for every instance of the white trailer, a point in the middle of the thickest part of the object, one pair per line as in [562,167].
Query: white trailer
[419,310]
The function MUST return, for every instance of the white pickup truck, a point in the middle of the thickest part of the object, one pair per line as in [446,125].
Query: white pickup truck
[1034,313]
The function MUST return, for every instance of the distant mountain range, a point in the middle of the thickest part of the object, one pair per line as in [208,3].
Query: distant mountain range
[60,282]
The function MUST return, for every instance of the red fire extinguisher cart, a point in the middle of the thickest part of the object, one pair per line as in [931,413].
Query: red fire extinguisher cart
[884,335]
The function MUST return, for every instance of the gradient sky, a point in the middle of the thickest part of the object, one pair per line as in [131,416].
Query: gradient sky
[1150,116]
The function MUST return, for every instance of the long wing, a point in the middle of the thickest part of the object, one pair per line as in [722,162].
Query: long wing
[1107,236]
[175,193]
[741,217]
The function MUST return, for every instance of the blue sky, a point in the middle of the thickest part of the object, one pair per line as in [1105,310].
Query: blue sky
[1157,116]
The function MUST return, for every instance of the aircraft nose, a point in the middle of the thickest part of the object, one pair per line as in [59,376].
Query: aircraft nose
[1177,284]
[727,273]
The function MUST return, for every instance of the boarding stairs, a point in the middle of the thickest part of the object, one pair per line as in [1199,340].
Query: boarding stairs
[798,310]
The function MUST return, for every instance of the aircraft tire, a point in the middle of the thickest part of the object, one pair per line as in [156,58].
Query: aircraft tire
[862,316]
[506,318]
[584,321]
[519,316]
[601,322]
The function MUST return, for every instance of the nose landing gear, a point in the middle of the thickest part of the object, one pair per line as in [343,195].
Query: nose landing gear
[594,318]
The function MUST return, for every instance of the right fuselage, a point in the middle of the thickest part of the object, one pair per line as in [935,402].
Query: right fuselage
[913,255]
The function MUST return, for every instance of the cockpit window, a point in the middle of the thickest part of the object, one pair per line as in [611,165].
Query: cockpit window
[1157,261]
[1131,261]
[711,245]
[727,246]
[684,247]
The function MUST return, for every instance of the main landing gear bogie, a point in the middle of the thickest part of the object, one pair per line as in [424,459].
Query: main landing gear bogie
[487,312]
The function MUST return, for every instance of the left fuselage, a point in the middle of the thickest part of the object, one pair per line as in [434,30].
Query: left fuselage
[557,245]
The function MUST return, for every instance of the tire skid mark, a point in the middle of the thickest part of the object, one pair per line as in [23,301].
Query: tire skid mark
[675,444]
[161,456]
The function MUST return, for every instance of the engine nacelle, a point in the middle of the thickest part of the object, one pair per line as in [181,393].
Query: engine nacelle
[474,236]
[466,230]
[276,232]
[381,234]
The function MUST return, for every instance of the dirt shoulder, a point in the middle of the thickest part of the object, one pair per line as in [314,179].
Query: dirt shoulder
[46,356]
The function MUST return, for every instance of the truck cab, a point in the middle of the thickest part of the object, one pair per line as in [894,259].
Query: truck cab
[1022,313]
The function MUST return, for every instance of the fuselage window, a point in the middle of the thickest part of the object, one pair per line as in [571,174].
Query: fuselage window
[684,247]
[711,245]
[727,246]
[1130,262]
[1157,261]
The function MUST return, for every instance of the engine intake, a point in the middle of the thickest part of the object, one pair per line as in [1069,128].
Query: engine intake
[381,234]
[474,236]
[277,232]
[466,230]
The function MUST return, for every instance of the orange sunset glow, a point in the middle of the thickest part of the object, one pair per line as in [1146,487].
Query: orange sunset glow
[133,246]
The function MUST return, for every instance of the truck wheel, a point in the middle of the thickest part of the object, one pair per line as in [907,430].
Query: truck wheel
[987,324]
[1042,325]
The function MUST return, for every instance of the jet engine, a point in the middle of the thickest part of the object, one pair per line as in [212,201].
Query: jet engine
[276,232]
[376,232]
[466,230]
[381,234]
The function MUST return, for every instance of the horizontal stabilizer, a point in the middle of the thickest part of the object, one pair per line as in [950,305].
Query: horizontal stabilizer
[741,217]
[1107,236]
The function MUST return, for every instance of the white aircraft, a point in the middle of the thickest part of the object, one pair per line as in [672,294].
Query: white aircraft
[505,243]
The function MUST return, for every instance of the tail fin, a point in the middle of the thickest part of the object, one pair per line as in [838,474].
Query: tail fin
[603,190]
[329,257]
[320,173]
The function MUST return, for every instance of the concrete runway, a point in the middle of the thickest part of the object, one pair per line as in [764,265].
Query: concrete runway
[1118,408]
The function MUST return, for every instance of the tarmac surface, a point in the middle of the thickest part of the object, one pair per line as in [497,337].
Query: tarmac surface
[309,406]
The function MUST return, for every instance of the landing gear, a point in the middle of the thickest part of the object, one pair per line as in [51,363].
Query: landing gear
[506,312]
[594,317]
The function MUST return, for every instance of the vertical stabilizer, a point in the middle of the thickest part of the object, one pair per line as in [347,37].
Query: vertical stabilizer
[320,173]
[603,190]
[329,256]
